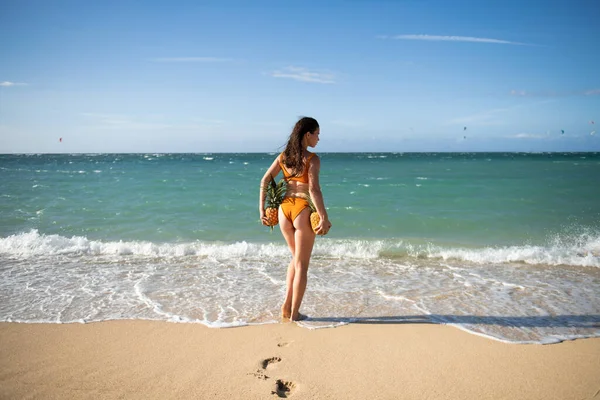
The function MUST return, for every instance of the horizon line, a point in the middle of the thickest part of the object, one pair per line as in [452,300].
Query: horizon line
[320,152]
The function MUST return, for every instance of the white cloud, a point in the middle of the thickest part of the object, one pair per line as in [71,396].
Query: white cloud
[438,38]
[128,124]
[8,84]
[208,121]
[527,136]
[140,123]
[304,75]
[489,117]
[495,116]
[520,93]
[192,59]
[267,123]
[123,122]
[523,93]
[348,123]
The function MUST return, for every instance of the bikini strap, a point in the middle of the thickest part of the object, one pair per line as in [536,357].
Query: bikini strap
[290,176]
[282,165]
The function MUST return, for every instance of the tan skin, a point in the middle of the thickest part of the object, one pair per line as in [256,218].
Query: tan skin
[299,235]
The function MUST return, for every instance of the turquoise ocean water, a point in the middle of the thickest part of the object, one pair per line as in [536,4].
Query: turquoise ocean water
[505,245]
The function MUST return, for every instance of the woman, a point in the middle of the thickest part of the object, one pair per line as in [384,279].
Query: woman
[301,171]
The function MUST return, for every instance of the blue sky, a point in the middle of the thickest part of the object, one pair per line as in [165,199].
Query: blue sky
[220,76]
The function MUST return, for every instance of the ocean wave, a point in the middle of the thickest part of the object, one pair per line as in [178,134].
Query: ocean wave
[57,279]
[35,244]
[581,251]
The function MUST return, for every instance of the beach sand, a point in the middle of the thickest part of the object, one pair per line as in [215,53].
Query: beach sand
[161,360]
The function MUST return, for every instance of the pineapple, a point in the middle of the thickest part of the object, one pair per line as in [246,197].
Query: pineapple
[275,194]
[314,216]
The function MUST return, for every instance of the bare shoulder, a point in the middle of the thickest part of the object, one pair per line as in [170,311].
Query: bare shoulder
[279,159]
[274,169]
[314,164]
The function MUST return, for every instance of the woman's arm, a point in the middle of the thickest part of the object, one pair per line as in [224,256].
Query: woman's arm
[271,173]
[314,189]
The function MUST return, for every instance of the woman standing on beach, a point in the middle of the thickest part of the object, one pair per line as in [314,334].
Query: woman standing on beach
[301,171]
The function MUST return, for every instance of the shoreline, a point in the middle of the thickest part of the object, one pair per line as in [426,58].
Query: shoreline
[159,359]
[349,321]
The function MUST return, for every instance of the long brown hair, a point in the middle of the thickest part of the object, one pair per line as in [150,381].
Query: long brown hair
[292,155]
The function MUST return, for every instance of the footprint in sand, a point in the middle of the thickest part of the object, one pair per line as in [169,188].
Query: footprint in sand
[269,361]
[283,389]
[283,344]
[264,364]
[259,375]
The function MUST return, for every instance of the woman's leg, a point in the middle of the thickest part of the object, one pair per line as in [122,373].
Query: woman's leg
[286,308]
[287,230]
[304,239]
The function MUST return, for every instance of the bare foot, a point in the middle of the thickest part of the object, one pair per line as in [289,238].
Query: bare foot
[300,317]
[286,312]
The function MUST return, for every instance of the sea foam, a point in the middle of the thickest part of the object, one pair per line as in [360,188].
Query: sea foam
[583,252]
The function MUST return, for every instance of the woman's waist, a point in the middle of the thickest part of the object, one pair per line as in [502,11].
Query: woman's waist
[296,195]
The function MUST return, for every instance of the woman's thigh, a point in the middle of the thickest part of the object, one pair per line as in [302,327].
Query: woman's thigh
[287,230]
[304,237]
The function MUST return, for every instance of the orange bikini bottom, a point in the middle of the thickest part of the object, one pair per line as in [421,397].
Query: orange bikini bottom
[292,206]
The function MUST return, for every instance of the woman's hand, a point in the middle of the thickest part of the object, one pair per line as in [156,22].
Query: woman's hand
[263,218]
[323,227]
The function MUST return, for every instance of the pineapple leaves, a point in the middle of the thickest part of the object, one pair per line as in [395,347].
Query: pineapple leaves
[275,193]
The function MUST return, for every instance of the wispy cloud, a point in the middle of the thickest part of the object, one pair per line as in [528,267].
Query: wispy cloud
[527,136]
[304,75]
[439,38]
[489,117]
[141,123]
[266,123]
[208,121]
[494,116]
[348,123]
[192,59]
[116,121]
[8,84]
[519,93]
[524,93]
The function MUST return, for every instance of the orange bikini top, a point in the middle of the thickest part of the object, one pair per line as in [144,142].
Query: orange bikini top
[289,177]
